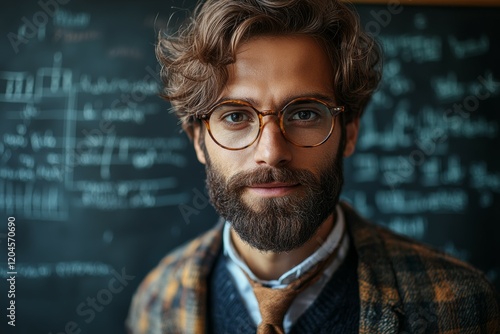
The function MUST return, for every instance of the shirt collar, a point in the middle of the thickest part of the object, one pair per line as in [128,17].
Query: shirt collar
[331,242]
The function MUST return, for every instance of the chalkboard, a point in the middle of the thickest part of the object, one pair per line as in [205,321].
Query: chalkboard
[427,162]
[102,184]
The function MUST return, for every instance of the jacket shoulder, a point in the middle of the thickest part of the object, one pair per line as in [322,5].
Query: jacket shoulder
[169,290]
[411,257]
[429,285]
[436,287]
[405,254]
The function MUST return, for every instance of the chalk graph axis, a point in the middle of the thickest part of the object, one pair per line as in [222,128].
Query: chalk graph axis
[42,151]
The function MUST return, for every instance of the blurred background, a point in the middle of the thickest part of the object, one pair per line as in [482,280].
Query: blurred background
[102,183]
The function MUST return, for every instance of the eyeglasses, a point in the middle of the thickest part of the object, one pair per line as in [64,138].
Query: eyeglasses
[304,122]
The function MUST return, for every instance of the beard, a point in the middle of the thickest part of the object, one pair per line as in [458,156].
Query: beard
[278,224]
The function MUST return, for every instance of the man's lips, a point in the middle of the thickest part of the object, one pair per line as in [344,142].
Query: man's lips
[273,189]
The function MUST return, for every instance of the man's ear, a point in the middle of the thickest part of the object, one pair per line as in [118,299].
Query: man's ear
[200,153]
[351,136]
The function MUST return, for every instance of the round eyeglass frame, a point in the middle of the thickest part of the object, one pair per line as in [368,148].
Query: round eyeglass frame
[334,111]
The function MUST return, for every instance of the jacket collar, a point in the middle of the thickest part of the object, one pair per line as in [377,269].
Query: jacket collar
[380,302]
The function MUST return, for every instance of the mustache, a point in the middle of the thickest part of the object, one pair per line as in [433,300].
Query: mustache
[268,174]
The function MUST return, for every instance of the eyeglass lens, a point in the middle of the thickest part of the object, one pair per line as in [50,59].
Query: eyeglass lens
[304,123]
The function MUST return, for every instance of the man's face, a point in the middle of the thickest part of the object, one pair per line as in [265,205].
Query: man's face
[274,193]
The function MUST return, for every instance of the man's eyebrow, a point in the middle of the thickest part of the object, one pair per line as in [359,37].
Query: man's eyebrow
[320,96]
[229,98]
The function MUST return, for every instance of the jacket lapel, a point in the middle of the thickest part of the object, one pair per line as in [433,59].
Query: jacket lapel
[380,302]
[190,301]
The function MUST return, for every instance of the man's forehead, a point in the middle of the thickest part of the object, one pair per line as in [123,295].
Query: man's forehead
[283,51]
[287,66]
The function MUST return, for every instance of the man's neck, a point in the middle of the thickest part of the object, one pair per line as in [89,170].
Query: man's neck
[269,265]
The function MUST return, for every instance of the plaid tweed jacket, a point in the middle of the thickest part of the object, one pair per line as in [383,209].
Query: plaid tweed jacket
[404,287]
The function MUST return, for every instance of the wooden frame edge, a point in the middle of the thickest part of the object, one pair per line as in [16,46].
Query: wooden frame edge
[470,3]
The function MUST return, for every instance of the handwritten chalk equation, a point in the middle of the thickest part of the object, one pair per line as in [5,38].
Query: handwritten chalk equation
[67,134]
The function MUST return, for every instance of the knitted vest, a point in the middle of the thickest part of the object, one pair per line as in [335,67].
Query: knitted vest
[335,310]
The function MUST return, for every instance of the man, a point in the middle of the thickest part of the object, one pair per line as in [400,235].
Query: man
[271,93]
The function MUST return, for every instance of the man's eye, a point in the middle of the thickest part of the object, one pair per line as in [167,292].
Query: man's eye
[236,117]
[305,115]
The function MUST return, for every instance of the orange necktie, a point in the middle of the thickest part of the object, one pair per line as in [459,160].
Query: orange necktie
[273,303]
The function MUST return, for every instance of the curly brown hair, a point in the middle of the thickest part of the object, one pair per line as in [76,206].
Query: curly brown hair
[194,60]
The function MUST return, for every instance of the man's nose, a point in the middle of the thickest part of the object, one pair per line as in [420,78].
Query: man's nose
[271,147]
